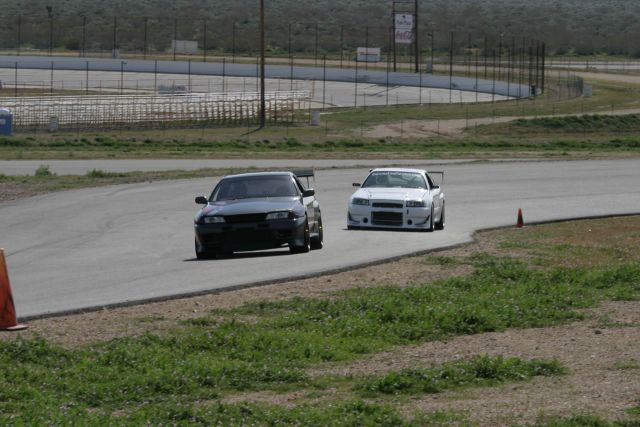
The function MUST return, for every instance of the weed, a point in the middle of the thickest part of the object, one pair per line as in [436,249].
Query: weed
[626,365]
[178,412]
[43,171]
[479,371]
[96,173]
[443,261]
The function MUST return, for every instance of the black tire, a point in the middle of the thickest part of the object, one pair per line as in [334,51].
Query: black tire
[316,241]
[202,254]
[440,224]
[307,242]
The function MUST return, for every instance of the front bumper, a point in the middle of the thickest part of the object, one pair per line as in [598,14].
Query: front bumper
[250,236]
[405,218]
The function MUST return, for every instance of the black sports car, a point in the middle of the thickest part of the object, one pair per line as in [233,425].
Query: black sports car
[258,211]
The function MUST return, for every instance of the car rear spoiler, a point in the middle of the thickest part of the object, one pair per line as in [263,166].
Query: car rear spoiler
[305,173]
[441,173]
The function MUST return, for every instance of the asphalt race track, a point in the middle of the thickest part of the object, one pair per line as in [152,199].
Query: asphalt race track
[103,246]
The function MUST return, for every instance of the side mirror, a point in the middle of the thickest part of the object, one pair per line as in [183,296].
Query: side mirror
[309,192]
[435,187]
[356,184]
[201,200]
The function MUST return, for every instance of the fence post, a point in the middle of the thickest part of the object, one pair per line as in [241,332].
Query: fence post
[355,103]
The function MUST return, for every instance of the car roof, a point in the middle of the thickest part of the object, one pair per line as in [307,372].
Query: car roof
[421,171]
[255,174]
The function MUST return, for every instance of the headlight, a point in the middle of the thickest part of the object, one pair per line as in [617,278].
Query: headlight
[416,203]
[279,215]
[213,219]
[362,202]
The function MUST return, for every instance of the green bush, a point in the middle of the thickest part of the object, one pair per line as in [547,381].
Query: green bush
[43,171]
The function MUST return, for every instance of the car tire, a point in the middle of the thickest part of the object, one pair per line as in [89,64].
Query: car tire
[201,253]
[440,224]
[316,241]
[307,242]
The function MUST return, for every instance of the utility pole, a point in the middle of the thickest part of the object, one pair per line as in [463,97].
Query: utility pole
[144,43]
[175,37]
[115,39]
[341,44]
[50,14]
[393,17]
[263,104]
[84,35]
[19,33]
[233,42]
[432,34]
[204,35]
[417,44]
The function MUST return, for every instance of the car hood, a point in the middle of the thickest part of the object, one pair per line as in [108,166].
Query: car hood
[252,206]
[401,194]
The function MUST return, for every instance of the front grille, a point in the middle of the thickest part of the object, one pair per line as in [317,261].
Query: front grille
[387,205]
[239,219]
[386,218]
[244,236]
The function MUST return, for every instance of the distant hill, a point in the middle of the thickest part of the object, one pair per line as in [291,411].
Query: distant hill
[579,26]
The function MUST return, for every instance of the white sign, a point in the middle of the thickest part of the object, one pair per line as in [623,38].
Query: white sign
[368,54]
[187,47]
[404,28]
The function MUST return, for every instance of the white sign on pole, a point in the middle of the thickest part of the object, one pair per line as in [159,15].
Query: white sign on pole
[404,28]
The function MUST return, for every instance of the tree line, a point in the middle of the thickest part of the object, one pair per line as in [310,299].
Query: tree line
[581,27]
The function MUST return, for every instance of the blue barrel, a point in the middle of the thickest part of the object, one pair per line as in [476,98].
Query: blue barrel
[6,121]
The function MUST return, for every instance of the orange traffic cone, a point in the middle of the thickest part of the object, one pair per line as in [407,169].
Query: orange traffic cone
[520,223]
[8,321]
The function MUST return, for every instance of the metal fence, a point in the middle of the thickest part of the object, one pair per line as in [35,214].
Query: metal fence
[117,111]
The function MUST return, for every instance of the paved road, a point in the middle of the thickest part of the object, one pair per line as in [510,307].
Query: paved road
[94,247]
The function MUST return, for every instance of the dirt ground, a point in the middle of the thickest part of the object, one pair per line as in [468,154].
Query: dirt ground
[602,353]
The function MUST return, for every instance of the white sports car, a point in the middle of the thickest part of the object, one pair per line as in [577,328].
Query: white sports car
[397,198]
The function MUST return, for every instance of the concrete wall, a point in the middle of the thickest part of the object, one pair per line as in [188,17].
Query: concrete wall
[272,71]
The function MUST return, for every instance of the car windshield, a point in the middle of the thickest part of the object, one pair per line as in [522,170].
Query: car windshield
[251,187]
[390,179]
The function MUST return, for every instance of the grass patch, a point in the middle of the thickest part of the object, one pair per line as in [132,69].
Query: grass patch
[586,122]
[442,261]
[44,181]
[591,124]
[346,146]
[626,365]
[479,371]
[177,412]
[585,244]
[206,358]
